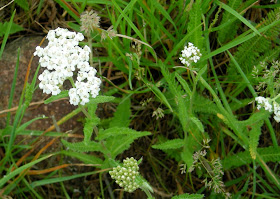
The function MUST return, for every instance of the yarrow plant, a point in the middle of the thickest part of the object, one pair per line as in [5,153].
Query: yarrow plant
[190,54]
[63,58]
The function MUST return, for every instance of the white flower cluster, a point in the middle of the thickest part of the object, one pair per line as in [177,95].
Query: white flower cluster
[190,54]
[63,57]
[125,175]
[266,104]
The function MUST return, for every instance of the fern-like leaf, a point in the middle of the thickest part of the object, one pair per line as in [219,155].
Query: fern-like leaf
[254,136]
[119,131]
[101,99]
[188,196]
[170,144]
[198,123]
[91,122]
[82,146]
[268,154]
[118,144]
[248,51]
[195,21]
[177,93]
[87,159]
[204,105]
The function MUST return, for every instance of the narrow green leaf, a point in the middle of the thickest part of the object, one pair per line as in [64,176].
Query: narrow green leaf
[23,4]
[198,123]
[164,13]
[68,10]
[158,93]
[14,28]
[7,32]
[13,88]
[237,15]
[12,174]
[26,124]
[60,179]
[129,21]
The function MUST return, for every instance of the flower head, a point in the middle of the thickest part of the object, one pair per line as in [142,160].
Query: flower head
[125,175]
[63,57]
[90,20]
[263,103]
[190,54]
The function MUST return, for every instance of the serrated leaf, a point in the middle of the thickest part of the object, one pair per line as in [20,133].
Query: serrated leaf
[118,144]
[14,28]
[122,115]
[87,159]
[82,146]
[101,99]
[188,196]
[198,123]
[88,128]
[184,84]
[170,144]
[62,94]
[118,131]
[254,136]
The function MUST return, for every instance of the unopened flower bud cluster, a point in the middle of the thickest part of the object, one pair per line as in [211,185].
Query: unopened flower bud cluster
[269,105]
[190,54]
[62,58]
[125,175]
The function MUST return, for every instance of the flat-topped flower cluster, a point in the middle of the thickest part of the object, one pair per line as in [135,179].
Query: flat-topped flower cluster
[190,54]
[269,105]
[62,58]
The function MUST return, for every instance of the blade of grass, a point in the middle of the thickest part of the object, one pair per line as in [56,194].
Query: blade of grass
[252,90]
[7,34]
[237,15]
[238,40]
[10,175]
[61,179]
[13,89]
[73,13]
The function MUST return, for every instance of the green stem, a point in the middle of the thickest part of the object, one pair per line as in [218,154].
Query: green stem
[90,46]
[193,92]
[85,111]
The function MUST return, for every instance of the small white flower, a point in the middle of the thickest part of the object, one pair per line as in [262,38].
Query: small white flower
[63,57]
[190,54]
